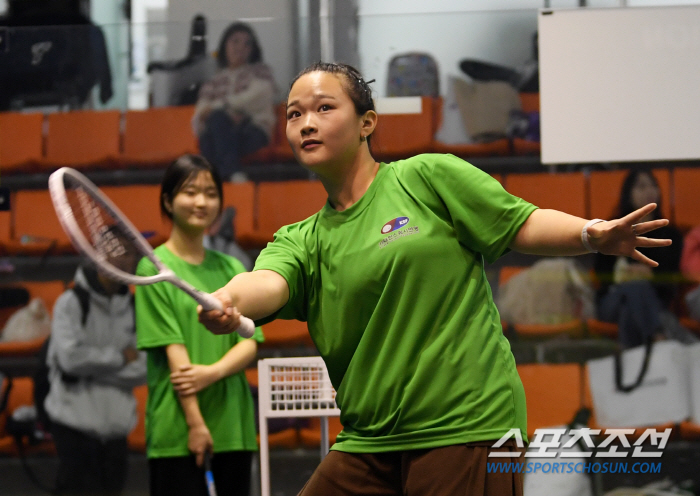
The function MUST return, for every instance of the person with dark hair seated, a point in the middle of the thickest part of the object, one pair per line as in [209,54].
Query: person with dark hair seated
[234,115]
[635,296]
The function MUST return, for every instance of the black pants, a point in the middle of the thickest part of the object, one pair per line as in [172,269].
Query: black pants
[181,475]
[224,142]
[87,465]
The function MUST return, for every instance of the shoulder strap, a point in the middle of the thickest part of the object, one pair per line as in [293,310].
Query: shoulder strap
[642,372]
[84,300]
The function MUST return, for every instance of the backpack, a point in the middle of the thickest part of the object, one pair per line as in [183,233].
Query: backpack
[413,74]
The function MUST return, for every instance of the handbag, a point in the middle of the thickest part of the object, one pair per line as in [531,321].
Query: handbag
[643,386]
[694,365]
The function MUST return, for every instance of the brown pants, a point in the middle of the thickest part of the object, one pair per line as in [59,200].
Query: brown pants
[448,471]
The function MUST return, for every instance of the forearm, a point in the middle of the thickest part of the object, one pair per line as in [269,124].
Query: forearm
[178,357]
[258,294]
[236,359]
[550,232]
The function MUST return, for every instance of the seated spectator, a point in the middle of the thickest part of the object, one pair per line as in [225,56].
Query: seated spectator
[633,295]
[235,113]
[690,258]
[93,367]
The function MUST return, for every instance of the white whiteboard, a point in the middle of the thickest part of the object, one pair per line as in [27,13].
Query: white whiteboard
[620,84]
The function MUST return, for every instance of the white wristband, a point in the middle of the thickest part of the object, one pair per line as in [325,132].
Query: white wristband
[584,235]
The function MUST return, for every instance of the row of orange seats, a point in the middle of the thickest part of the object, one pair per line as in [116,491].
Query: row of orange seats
[153,137]
[31,227]
[279,333]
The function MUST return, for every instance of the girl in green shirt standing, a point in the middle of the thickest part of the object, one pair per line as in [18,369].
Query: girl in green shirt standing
[390,277]
[198,397]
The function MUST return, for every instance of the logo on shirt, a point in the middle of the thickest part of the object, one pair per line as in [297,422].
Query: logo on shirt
[394,224]
[399,225]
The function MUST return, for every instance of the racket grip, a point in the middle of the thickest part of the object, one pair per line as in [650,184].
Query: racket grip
[246,328]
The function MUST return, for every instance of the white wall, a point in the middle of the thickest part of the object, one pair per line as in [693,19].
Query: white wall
[497,31]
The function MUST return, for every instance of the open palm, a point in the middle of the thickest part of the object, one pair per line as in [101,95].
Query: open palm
[623,236]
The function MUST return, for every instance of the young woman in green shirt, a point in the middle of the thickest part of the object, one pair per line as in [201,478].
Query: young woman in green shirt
[390,277]
[198,398]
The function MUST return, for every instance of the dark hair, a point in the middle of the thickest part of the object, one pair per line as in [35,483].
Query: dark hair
[255,52]
[179,172]
[625,205]
[355,86]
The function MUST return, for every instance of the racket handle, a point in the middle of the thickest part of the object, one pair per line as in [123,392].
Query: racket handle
[208,476]
[246,327]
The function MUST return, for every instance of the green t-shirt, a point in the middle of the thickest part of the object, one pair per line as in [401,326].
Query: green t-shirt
[166,315]
[398,304]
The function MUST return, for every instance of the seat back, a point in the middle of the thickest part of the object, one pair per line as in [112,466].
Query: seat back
[5,229]
[553,394]
[413,74]
[158,135]
[48,291]
[405,127]
[241,196]
[140,203]
[565,191]
[287,202]
[686,184]
[136,440]
[605,187]
[21,140]
[83,138]
[34,216]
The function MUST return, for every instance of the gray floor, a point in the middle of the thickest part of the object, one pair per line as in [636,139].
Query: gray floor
[289,469]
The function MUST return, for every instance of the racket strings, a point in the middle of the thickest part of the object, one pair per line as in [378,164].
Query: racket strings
[107,236]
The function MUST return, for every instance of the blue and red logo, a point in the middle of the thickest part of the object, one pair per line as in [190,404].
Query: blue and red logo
[394,224]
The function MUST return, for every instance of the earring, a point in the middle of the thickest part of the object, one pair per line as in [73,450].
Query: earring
[362,138]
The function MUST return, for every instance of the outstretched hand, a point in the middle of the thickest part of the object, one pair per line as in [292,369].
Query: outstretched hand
[223,321]
[623,236]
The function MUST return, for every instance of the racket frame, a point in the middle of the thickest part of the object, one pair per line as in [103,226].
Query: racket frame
[67,219]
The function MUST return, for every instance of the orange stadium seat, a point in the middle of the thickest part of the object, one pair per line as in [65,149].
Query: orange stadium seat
[141,205]
[241,196]
[287,202]
[83,138]
[497,148]
[5,230]
[311,436]
[686,185]
[530,102]
[552,392]
[280,333]
[604,329]
[282,150]
[564,191]
[604,192]
[157,136]
[21,394]
[49,291]
[399,135]
[136,440]
[525,147]
[21,141]
[36,230]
